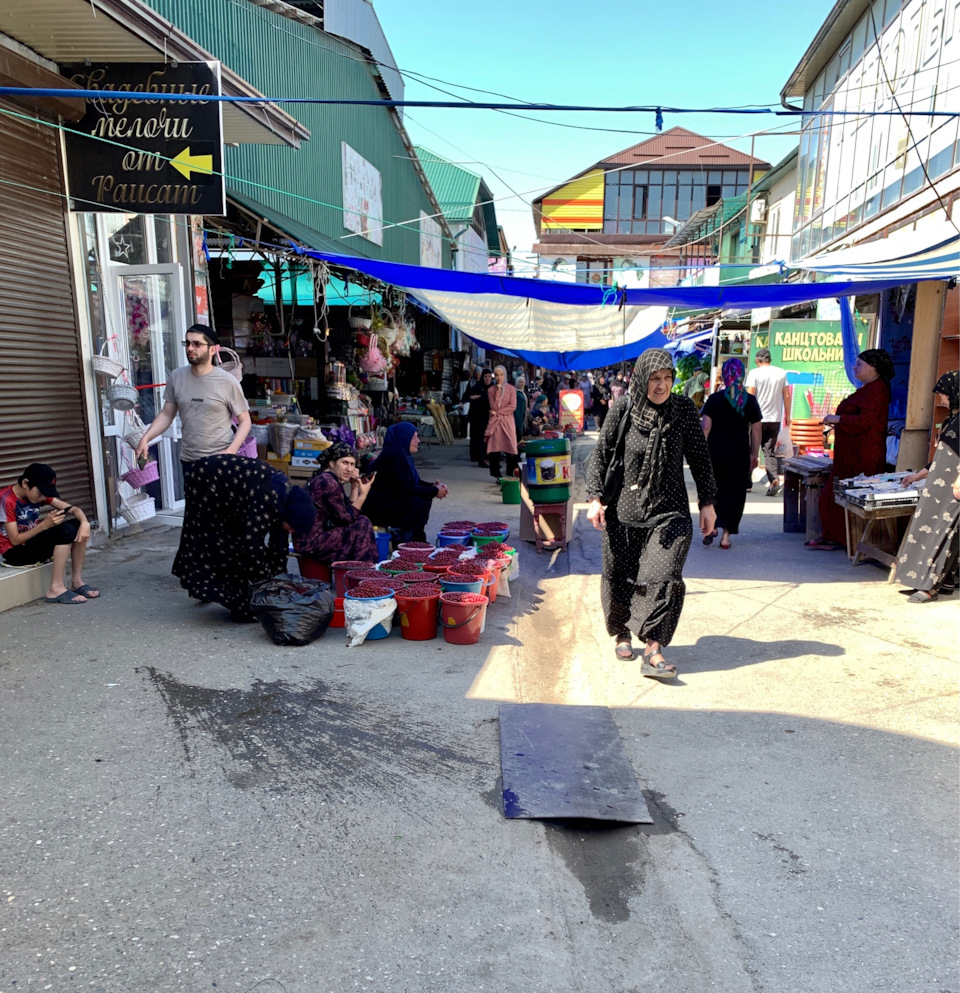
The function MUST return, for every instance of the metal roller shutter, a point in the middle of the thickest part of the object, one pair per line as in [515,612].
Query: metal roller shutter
[42,411]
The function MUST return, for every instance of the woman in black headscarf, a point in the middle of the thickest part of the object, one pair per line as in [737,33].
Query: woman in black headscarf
[647,528]
[340,533]
[860,440]
[732,424]
[927,564]
[235,525]
[398,499]
[479,413]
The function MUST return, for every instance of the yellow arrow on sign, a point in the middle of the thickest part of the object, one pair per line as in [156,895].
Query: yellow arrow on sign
[185,163]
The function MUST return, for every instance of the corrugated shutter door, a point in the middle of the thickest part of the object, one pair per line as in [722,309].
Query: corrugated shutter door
[42,410]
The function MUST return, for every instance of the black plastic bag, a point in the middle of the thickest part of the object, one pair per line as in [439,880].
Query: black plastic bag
[292,610]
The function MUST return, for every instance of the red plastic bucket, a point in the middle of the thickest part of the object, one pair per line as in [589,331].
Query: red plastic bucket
[310,568]
[356,576]
[462,621]
[340,569]
[417,617]
[338,619]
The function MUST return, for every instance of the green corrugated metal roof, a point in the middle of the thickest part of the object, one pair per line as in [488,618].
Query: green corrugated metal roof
[455,188]
[279,55]
[705,222]
[457,191]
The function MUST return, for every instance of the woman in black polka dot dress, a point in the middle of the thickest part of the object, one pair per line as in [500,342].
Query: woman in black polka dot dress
[647,530]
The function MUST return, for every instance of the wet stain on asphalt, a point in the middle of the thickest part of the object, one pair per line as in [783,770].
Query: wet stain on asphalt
[279,736]
[607,860]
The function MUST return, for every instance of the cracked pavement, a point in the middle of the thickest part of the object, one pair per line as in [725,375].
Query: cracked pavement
[188,806]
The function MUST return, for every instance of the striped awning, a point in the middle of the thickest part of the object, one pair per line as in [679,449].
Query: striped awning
[931,251]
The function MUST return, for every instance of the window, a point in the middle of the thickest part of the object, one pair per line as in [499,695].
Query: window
[595,271]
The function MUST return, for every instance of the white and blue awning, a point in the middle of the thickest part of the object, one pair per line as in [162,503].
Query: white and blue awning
[931,251]
[577,326]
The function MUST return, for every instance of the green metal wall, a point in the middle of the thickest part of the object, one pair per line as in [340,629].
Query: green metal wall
[282,57]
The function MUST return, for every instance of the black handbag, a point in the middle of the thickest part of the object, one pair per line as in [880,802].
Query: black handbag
[613,477]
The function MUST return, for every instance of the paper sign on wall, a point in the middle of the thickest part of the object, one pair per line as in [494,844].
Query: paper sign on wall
[362,196]
[431,242]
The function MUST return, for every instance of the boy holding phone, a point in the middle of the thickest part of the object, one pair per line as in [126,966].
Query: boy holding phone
[25,540]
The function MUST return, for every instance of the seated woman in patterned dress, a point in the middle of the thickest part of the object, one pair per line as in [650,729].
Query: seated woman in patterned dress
[340,533]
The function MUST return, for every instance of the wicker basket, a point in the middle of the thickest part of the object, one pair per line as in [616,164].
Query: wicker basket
[105,366]
[233,365]
[140,507]
[249,447]
[136,478]
[137,430]
[122,396]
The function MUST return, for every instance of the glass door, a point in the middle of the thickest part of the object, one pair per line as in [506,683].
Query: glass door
[152,326]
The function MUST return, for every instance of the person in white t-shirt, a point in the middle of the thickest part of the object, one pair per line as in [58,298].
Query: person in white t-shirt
[768,384]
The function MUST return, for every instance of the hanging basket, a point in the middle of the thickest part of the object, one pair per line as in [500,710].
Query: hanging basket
[122,396]
[140,507]
[104,365]
[137,430]
[249,447]
[232,364]
[136,478]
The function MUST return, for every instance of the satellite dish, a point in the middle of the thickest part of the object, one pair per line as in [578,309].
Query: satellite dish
[557,263]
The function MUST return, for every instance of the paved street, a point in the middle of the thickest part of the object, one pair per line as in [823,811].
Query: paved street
[187,806]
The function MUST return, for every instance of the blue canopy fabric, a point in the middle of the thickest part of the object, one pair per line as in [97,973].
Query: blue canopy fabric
[623,336]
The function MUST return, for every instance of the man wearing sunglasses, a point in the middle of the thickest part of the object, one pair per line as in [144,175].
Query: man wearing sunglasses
[207,399]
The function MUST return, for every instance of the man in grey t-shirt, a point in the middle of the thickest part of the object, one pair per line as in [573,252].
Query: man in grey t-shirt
[768,384]
[207,400]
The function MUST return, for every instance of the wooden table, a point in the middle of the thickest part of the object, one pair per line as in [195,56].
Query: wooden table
[875,532]
[803,479]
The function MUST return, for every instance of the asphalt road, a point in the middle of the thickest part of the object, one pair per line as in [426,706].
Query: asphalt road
[187,806]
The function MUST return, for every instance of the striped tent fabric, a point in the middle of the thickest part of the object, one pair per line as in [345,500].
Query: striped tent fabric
[931,251]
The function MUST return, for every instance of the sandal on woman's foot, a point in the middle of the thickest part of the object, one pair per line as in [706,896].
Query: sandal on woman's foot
[708,538]
[822,545]
[657,670]
[922,596]
[624,650]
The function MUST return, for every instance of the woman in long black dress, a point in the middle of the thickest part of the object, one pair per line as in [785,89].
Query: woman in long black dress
[235,525]
[647,529]
[479,414]
[732,422]
[398,499]
[928,561]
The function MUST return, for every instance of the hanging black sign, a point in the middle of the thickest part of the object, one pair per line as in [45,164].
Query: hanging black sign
[147,156]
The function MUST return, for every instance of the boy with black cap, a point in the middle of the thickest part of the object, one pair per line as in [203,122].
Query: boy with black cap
[25,540]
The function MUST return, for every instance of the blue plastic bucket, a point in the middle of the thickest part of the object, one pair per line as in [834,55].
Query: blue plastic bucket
[378,631]
[449,586]
[383,543]
[453,539]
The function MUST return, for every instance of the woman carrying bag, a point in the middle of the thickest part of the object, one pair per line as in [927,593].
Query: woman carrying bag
[638,498]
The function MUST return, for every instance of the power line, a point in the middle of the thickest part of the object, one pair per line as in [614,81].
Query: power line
[147,95]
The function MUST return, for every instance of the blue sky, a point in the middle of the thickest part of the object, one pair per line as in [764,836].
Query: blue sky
[692,53]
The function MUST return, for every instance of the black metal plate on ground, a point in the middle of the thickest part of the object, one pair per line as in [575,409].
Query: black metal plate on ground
[566,762]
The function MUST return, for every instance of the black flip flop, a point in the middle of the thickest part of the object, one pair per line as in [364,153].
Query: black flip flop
[708,538]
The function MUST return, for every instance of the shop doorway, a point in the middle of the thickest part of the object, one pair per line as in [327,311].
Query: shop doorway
[152,323]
